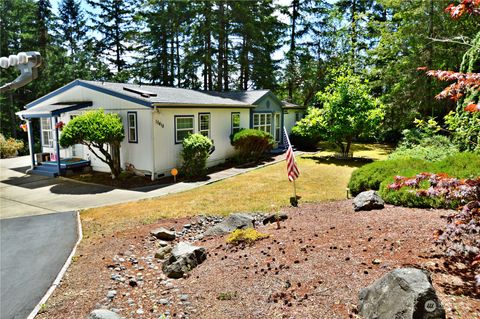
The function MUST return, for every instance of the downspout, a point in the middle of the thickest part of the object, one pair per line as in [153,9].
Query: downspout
[153,142]
[57,145]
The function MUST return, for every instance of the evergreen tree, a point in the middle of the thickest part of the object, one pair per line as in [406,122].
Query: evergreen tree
[114,22]
[72,27]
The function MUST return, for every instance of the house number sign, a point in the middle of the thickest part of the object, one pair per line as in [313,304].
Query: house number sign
[160,123]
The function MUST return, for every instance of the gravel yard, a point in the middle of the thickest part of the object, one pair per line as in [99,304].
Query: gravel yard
[313,267]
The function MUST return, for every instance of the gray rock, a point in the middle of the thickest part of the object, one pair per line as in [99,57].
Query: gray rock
[367,201]
[162,243]
[111,294]
[274,217]
[163,301]
[184,258]
[163,234]
[183,297]
[229,224]
[404,293]
[103,314]
[163,252]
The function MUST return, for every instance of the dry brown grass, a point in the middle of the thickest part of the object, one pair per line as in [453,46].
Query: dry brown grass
[262,190]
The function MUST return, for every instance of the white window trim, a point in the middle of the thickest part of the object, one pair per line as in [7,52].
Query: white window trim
[232,127]
[135,127]
[277,128]
[183,129]
[48,131]
[200,115]
[263,127]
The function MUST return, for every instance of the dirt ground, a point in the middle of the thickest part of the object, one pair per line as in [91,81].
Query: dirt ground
[313,267]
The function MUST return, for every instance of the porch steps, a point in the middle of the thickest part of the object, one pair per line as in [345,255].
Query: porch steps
[45,170]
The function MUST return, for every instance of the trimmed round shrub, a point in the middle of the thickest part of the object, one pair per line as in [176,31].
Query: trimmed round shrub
[370,176]
[196,148]
[9,147]
[252,144]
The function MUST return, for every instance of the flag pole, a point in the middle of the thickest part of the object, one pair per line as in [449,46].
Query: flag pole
[294,190]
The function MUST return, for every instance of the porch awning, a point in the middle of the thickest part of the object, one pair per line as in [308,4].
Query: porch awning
[51,110]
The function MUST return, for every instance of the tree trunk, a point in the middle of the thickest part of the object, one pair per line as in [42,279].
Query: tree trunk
[172,61]
[291,54]
[353,32]
[179,75]
[245,64]
[225,60]
[164,58]
[115,160]
[221,44]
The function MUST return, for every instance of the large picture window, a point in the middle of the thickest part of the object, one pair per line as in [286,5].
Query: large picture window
[183,127]
[262,122]
[204,124]
[132,127]
[47,134]
[235,122]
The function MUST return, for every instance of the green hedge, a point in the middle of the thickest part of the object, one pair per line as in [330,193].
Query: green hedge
[370,176]
[252,144]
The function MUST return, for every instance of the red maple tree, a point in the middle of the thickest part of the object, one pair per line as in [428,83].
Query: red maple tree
[462,81]
[466,6]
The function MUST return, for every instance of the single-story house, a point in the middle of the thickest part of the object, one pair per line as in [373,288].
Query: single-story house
[156,119]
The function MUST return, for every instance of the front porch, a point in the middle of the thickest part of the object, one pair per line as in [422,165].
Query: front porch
[51,163]
[51,168]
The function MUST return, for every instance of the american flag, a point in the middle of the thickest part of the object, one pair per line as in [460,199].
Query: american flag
[292,169]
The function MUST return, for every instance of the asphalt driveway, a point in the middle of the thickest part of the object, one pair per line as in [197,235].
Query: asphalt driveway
[32,252]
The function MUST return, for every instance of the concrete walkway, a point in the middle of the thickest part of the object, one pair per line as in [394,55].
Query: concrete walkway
[33,250]
[26,195]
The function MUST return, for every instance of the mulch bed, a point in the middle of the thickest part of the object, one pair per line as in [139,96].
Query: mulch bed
[313,267]
[128,180]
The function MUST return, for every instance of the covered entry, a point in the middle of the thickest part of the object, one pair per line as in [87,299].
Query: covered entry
[51,163]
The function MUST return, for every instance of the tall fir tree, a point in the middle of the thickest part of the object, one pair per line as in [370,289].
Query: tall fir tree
[72,27]
[113,21]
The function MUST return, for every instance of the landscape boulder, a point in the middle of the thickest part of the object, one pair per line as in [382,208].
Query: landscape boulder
[405,293]
[103,314]
[274,217]
[183,258]
[367,201]
[229,224]
[163,252]
[163,234]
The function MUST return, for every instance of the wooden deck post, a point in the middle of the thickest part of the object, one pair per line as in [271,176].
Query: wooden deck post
[31,142]
[57,146]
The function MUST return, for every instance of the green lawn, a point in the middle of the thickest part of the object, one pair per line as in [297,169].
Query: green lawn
[263,190]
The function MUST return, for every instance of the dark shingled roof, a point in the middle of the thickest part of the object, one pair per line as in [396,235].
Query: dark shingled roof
[289,105]
[159,95]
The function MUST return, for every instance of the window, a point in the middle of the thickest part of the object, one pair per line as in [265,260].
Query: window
[132,127]
[235,123]
[204,124]
[47,134]
[298,116]
[183,127]
[277,127]
[262,122]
